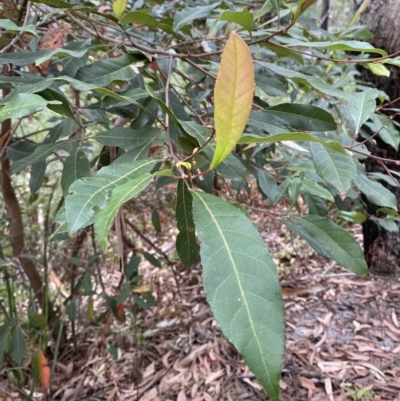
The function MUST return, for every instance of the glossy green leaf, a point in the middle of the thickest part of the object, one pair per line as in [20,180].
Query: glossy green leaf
[103,72]
[189,14]
[186,244]
[293,136]
[303,117]
[122,193]
[37,176]
[76,166]
[242,286]
[18,348]
[334,167]
[89,195]
[23,105]
[9,25]
[374,191]
[360,107]
[336,242]
[242,17]
[233,96]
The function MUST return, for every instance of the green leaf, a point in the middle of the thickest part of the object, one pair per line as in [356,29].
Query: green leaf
[55,3]
[120,194]
[41,153]
[337,242]
[378,69]
[360,107]
[243,17]
[62,104]
[37,57]
[374,191]
[36,320]
[292,136]
[103,72]
[313,188]
[76,166]
[18,348]
[145,19]
[89,195]
[303,117]
[334,167]
[127,138]
[233,96]
[186,244]
[242,286]
[9,25]
[189,14]
[119,7]
[345,45]
[267,185]
[385,128]
[23,105]
[315,205]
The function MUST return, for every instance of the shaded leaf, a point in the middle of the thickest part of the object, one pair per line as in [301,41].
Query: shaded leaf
[336,242]
[145,19]
[334,167]
[189,14]
[18,348]
[41,153]
[303,117]
[186,244]
[103,72]
[127,138]
[374,191]
[242,286]
[233,96]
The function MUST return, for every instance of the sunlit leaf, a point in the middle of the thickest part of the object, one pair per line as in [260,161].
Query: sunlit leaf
[23,105]
[233,96]
[119,7]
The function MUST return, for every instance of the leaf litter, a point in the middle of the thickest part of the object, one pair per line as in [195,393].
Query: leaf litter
[342,334]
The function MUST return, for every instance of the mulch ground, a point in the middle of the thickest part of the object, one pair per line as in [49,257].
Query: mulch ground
[342,339]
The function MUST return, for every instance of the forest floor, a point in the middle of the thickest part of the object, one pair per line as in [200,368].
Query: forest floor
[342,338]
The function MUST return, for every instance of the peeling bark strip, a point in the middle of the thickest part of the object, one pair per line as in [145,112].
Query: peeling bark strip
[382,248]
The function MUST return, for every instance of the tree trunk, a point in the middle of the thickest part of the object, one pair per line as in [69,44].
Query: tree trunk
[382,248]
[325,15]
